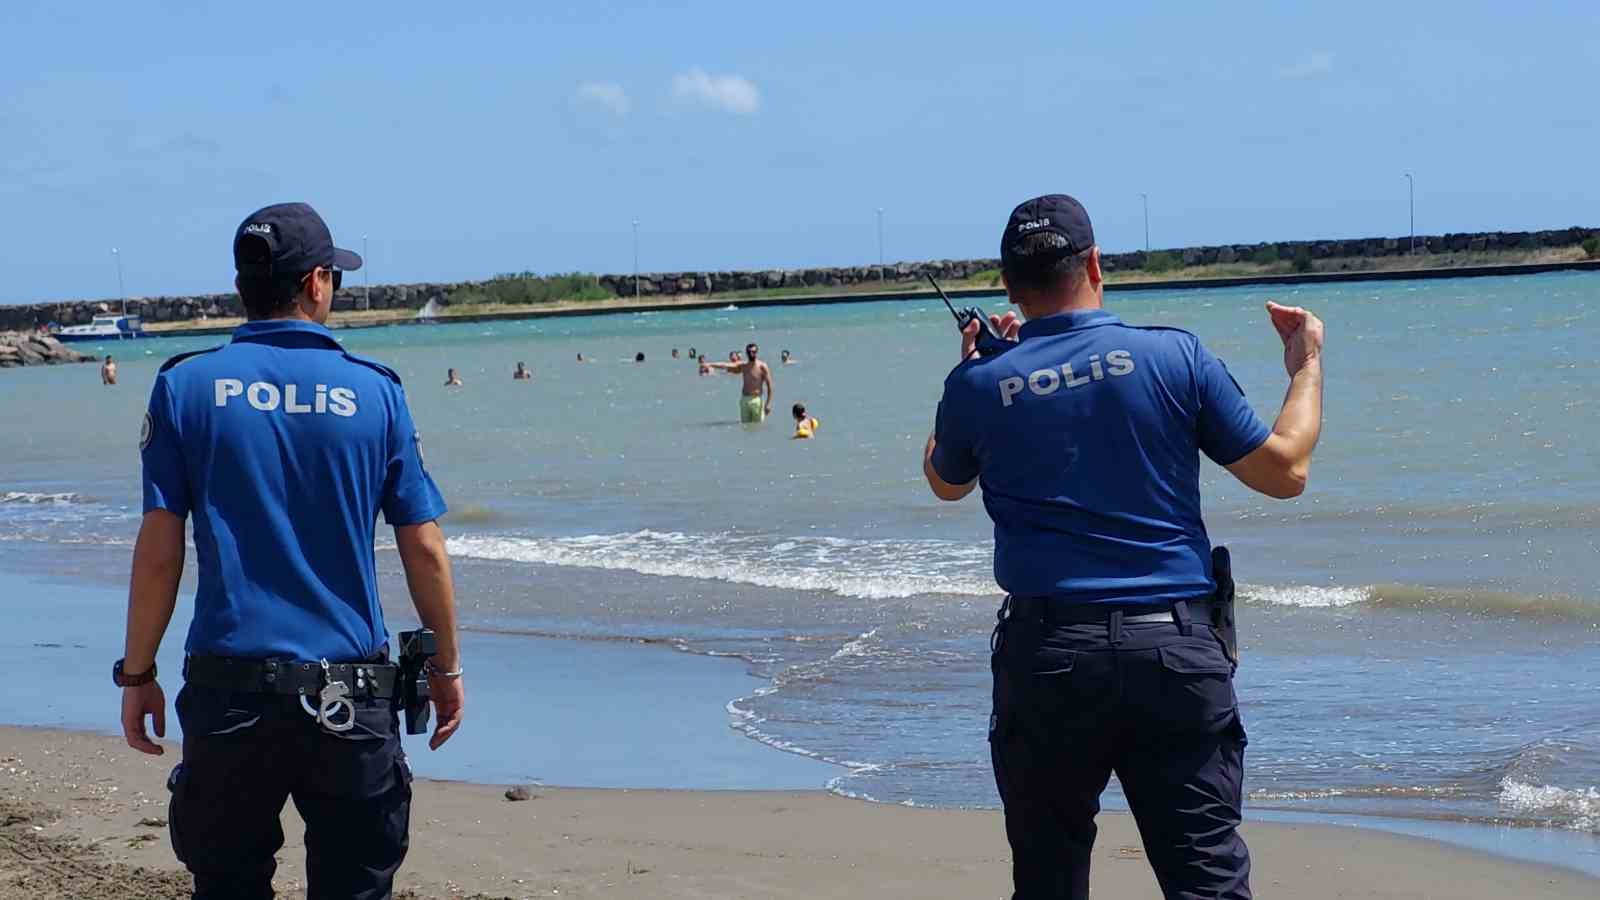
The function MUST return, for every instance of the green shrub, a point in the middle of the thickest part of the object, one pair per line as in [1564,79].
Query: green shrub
[1302,259]
[527,288]
[1161,261]
[1591,247]
[989,277]
[1265,255]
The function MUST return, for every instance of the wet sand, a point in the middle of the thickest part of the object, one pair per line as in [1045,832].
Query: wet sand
[84,816]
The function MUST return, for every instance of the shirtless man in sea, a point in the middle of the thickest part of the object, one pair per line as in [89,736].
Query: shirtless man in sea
[108,371]
[756,377]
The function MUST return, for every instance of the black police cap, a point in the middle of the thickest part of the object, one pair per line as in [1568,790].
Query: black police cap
[1051,214]
[297,241]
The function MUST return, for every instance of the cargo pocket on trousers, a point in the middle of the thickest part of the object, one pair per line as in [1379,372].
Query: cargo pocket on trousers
[1051,661]
[175,787]
[1198,687]
[403,773]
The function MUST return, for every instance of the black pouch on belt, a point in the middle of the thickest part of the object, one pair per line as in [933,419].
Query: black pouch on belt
[1222,603]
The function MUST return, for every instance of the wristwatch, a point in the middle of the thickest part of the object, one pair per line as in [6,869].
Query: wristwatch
[123,679]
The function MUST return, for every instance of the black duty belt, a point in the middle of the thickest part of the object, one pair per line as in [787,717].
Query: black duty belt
[1059,613]
[288,677]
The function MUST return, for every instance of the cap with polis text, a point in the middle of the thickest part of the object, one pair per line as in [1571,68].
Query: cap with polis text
[1055,214]
[296,240]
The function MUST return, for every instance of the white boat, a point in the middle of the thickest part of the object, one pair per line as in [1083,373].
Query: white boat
[110,327]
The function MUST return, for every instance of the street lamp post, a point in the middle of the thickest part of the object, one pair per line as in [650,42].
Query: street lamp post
[366,276]
[1146,199]
[1411,198]
[121,291]
[880,243]
[636,259]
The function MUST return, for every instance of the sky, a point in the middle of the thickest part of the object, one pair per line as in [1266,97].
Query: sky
[463,140]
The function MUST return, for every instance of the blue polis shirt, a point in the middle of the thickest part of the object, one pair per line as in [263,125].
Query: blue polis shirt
[285,448]
[1086,440]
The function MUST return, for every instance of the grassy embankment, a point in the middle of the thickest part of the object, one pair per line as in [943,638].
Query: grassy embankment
[529,292]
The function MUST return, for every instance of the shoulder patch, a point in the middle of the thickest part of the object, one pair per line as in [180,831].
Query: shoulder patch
[169,364]
[379,367]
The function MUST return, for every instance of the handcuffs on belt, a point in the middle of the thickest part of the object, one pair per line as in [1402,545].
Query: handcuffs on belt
[333,696]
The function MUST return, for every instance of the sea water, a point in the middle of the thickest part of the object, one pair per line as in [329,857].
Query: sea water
[1421,630]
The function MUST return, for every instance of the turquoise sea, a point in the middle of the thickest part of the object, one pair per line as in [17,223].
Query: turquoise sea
[1421,630]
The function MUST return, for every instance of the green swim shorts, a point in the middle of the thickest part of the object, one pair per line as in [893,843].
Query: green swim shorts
[751,409]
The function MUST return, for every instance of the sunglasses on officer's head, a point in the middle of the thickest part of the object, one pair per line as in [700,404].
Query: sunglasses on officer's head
[338,275]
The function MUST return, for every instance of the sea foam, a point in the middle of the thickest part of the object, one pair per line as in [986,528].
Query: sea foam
[1574,808]
[862,569]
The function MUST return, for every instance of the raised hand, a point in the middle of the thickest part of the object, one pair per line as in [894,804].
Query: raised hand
[1301,333]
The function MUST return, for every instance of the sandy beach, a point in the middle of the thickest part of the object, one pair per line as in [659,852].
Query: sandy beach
[84,816]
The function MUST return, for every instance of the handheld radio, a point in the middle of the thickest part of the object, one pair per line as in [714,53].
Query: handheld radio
[990,341]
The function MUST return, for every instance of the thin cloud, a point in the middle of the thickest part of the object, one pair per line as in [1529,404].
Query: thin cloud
[729,93]
[606,95]
[1312,65]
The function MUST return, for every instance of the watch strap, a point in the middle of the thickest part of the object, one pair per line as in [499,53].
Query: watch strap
[123,679]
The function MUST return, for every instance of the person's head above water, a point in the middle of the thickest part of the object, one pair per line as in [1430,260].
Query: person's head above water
[638,357]
[1048,258]
[784,356]
[733,356]
[674,352]
[108,357]
[799,411]
[288,266]
[580,357]
[750,351]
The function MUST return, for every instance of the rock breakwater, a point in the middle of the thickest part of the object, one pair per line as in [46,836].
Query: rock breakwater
[901,275]
[19,348]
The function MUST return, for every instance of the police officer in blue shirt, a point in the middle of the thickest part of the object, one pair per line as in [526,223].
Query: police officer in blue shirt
[1086,439]
[284,449]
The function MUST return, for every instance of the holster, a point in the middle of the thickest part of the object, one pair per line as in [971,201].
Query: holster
[416,648]
[1222,618]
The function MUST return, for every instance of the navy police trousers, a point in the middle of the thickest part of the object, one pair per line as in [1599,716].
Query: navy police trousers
[1074,703]
[244,755]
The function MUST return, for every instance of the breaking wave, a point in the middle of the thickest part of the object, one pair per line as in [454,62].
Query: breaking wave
[34,498]
[863,569]
[897,568]
[1575,808]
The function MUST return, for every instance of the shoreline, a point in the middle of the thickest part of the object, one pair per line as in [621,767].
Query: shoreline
[74,802]
[681,748]
[694,302]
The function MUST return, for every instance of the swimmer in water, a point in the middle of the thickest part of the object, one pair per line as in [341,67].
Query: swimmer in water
[522,373]
[694,355]
[638,357]
[804,426]
[451,379]
[757,376]
[705,367]
[581,359]
[108,371]
[787,359]
[674,352]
